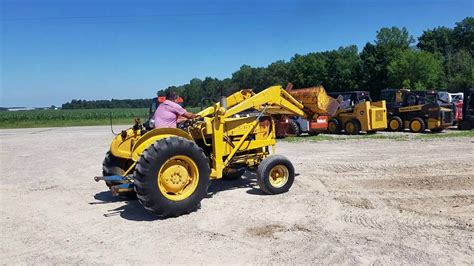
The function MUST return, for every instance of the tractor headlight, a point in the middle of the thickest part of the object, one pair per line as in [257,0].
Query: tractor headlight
[152,123]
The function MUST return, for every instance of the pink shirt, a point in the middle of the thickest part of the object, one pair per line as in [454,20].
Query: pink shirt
[167,113]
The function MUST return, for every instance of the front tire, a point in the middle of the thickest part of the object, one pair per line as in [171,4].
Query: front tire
[275,174]
[334,126]
[395,124]
[172,177]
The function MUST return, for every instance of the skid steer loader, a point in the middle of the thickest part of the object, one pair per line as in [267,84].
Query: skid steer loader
[357,113]
[170,169]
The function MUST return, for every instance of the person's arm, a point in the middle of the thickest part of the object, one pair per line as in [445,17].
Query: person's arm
[189,115]
[180,111]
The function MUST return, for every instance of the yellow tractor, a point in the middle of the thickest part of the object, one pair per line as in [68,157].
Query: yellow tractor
[170,169]
[357,112]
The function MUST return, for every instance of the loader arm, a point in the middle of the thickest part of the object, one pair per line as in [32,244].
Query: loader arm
[271,101]
[276,98]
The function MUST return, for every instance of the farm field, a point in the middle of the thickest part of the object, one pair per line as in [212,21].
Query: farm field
[75,117]
[354,201]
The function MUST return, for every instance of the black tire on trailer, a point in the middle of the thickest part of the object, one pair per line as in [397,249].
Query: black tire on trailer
[233,174]
[371,132]
[352,127]
[334,126]
[172,177]
[275,174]
[417,125]
[395,124]
[293,127]
[437,130]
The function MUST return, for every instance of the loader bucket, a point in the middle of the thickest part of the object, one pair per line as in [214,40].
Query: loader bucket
[316,100]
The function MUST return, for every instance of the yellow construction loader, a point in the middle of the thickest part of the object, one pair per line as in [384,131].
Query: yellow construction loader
[357,112]
[170,169]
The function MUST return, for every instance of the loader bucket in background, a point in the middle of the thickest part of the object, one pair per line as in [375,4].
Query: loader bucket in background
[316,100]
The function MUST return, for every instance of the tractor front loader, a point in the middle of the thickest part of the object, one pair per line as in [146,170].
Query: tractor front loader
[170,169]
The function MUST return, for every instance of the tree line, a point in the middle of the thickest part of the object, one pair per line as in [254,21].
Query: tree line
[441,59]
[105,104]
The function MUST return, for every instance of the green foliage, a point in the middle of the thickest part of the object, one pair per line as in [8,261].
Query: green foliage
[394,38]
[438,40]
[40,116]
[455,47]
[459,70]
[463,35]
[416,70]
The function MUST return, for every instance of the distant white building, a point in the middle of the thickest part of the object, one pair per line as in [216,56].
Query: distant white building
[21,109]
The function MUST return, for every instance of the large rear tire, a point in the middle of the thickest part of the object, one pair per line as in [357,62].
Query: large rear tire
[275,174]
[417,125]
[172,177]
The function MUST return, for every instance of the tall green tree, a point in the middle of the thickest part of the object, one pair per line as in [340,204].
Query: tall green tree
[389,44]
[459,70]
[416,70]
[463,35]
[344,69]
[438,40]
[308,70]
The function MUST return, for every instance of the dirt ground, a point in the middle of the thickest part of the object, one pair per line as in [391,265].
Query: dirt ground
[353,201]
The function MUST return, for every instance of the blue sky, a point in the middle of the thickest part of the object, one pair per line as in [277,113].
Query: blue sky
[55,51]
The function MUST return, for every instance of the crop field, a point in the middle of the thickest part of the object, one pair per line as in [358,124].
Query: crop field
[77,117]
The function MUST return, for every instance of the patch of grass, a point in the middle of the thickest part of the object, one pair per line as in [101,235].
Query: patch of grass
[464,133]
[69,123]
[320,137]
[396,136]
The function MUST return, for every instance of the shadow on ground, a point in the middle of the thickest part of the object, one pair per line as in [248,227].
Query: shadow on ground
[132,209]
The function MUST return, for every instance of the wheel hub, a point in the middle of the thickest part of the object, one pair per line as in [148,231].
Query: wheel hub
[416,125]
[175,178]
[394,124]
[178,178]
[278,176]
[350,128]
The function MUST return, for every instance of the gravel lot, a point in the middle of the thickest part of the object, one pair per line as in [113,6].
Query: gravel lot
[356,201]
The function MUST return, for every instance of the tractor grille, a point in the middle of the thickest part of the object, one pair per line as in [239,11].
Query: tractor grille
[447,118]
[379,115]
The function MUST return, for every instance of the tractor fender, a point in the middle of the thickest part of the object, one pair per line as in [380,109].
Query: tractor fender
[156,134]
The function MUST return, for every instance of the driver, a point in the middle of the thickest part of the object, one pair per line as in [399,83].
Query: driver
[168,112]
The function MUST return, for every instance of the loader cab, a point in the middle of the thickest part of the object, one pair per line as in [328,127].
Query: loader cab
[351,98]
